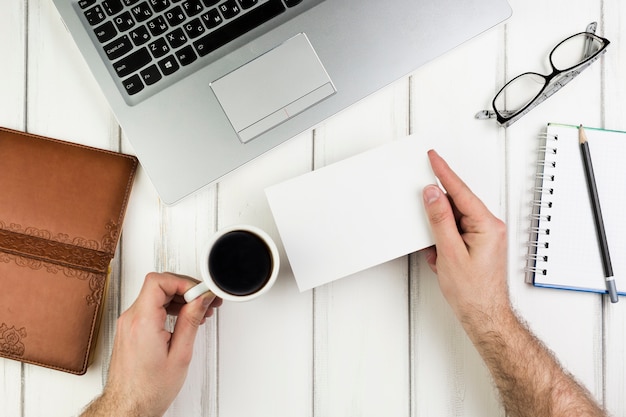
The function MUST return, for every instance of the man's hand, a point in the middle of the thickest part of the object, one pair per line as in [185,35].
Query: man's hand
[149,364]
[469,259]
[469,256]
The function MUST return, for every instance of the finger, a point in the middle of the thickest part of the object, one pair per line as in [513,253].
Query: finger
[187,277]
[190,317]
[430,254]
[442,221]
[173,309]
[464,200]
[217,302]
[159,289]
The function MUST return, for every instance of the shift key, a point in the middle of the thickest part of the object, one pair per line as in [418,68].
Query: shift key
[132,62]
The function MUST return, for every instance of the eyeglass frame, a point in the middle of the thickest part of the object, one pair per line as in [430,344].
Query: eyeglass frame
[506,118]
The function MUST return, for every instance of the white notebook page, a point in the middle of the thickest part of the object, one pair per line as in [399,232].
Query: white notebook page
[573,254]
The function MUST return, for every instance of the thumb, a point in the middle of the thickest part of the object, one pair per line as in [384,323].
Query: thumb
[441,219]
[190,317]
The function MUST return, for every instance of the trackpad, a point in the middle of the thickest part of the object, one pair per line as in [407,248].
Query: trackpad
[273,87]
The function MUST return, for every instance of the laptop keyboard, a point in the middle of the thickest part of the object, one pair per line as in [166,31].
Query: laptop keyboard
[147,41]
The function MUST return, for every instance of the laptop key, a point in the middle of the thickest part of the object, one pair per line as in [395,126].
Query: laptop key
[238,27]
[124,21]
[157,26]
[95,15]
[133,85]
[83,4]
[194,28]
[193,7]
[105,32]
[112,7]
[140,35]
[118,48]
[176,38]
[175,16]
[159,5]
[159,48]
[132,62]
[212,19]
[168,65]
[186,55]
[151,75]
[142,11]
[229,9]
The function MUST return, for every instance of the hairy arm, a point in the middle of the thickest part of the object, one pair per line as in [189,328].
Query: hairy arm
[469,259]
[530,380]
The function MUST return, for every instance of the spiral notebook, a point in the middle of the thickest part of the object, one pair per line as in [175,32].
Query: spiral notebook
[563,245]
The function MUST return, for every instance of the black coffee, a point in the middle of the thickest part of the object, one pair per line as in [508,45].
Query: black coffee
[240,263]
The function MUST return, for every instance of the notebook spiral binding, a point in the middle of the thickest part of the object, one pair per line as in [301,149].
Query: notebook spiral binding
[540,217]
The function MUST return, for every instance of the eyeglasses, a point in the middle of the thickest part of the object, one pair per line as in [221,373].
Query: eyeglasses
[524,92]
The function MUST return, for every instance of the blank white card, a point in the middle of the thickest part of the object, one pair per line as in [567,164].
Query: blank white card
[354,214]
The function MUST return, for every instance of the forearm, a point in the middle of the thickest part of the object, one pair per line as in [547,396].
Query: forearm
[110,405]
[530,380]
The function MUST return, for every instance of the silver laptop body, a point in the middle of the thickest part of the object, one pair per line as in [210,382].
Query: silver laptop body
[205,105]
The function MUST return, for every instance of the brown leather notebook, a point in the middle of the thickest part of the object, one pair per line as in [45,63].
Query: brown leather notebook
[61,212]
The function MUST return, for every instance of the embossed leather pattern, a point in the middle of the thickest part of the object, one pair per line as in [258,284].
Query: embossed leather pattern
[61,212]
[62,254]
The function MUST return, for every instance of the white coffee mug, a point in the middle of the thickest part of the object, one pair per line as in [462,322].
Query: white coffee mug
[239,263]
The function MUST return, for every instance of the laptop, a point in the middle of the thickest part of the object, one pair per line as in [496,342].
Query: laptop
[201,87]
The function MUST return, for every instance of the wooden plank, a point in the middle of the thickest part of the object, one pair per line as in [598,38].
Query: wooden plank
[13,50]
[63,102]
[185,228]
[12,91]
[569,323]
[142,235]
[614,95]
[448,375]
[169,238]
[361,339]
[265,345]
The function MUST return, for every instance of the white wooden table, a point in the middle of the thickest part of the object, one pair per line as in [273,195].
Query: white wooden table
[383,342]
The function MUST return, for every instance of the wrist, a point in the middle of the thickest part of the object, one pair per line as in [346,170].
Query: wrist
[112,404]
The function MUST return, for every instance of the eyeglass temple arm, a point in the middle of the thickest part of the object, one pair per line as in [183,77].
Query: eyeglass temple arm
[489,114]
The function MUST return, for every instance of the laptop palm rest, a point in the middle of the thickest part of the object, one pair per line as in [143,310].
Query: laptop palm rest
[273,88]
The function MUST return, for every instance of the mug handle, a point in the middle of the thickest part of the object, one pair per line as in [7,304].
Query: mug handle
[195,292]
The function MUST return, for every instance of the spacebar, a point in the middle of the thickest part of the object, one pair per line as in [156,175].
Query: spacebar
[238,27]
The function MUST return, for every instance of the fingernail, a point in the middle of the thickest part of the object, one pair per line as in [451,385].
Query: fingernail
[431,194]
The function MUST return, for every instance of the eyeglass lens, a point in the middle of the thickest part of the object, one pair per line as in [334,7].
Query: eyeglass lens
[574,51]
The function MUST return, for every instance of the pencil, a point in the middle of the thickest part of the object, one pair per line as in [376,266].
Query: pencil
[597,215]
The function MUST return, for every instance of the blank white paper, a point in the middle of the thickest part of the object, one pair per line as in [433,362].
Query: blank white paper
[356,213]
